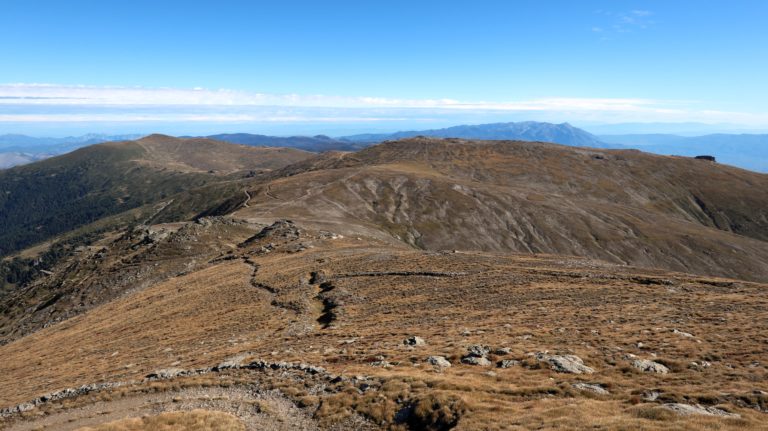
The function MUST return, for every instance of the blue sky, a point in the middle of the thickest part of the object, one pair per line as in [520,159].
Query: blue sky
[317,66]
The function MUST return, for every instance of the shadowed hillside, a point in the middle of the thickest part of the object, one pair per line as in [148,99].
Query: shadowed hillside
[41,200]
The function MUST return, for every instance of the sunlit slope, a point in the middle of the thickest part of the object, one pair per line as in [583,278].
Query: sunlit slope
[621,206]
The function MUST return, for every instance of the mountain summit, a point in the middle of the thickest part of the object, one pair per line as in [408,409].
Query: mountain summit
[564,134]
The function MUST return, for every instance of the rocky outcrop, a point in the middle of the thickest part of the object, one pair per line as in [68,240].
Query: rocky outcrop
[697,409]
[649,366]
[477,354]
[571,364]
[414,341]
[281,229]
[438,361]
[475,360]
[508,363]
[589,387]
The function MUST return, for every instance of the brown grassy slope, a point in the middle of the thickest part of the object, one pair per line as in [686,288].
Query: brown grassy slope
[195,420]
[621,206]
[199,154]
[262,303]
[121,262]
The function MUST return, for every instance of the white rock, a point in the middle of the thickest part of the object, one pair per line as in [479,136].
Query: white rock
[475,360]
[414,341]
[589,387]
[649,366]
[696,409]
[565,363]
[438,361]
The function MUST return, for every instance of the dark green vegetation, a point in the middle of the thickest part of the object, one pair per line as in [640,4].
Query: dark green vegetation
[45,199]
[20,271]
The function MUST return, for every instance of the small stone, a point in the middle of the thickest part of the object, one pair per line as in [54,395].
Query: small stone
[475,360]
[502,351]
[508,363]
[414,341]
[438,361]
[571,364]
[651,395]
[166,373]
[478,350]
[696,409]
[589,387]
[649,366]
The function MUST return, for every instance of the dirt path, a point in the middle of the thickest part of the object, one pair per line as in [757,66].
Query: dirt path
[258,410]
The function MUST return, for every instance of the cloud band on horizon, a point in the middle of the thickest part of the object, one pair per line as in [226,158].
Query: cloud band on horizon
[41,103]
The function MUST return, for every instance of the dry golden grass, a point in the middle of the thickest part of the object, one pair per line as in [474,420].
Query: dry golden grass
[625,207]
[195,420]
[263,305]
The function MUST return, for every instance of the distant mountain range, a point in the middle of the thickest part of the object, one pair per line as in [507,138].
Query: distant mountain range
[318,143]
[742,150]
[27,143]
[749,151]
[564,134]
[21,149]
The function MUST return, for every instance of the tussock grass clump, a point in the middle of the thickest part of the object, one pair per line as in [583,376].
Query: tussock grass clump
[437,411]
[654,413]
[195,420]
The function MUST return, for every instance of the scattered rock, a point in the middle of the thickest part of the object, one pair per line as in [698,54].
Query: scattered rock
[649,366]
[414,341]
[699,365]
[651,395]
[166,373]
[233,362]
[589,387]
[565,363]
[478,350]
[502,351]
[477,355]
[438,361]
[281,229]
[383,364]
[697,409]
[508,363]
[682,334]
[476,360]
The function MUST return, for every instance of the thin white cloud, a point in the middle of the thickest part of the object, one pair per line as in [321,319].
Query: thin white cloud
[49,94]
[623,22]
[186,118]
[41,103]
